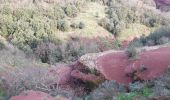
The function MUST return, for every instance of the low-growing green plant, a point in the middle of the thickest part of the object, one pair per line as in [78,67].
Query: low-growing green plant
[143,94]
[63,25]
[117,44]
[2,46]
[76,25]
[2,94]
[107,91]
[81,25]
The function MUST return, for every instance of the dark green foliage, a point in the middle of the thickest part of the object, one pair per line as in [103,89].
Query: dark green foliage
[2,94]
[62,52]
[2,46]
[163,32]
[143,95]
[118,17]
[117,44]
[26,27]
[63,25]
[139,90]
[79,25]
[74,25]
[158,37]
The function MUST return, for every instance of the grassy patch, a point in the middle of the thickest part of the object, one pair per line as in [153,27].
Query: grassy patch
[145,93]
[90,16]
[134,30]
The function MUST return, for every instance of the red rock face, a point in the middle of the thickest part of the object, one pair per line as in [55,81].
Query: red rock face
[164,5]
[33,95]
[117,66]
[156,63]
[112,66]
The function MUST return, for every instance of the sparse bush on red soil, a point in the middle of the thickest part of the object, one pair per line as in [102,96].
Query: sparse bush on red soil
[32,78]
[76,67]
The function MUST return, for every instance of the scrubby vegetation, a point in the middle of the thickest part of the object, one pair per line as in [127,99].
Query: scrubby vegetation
[107,91]
[72,50]
[132,52]
[26,27]
[120,16]
[40,33]
[1,45]
[158,37]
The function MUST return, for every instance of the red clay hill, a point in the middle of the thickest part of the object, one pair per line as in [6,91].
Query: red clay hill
[115,65]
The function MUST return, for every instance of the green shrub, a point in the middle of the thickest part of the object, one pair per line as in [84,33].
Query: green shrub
[107,91]
[81,25]
[137,90]
[2,94]
[7,25]
[74,25]
[118,17]
[158,37]
[132,52]
[71,10]
[117,44]
[24,14]
[59,12]
[63,25]
[104,22]
[150,19]
[2,46]
[6,10]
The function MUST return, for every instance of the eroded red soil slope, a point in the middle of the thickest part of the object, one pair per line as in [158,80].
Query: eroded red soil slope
[117,66]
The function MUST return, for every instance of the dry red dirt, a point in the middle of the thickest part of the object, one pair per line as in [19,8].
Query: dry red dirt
[117,66]
[112,66]
[34,95]
[156,63]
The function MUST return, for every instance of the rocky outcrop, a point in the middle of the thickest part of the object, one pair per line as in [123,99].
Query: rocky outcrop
[115,65]
[164,5]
